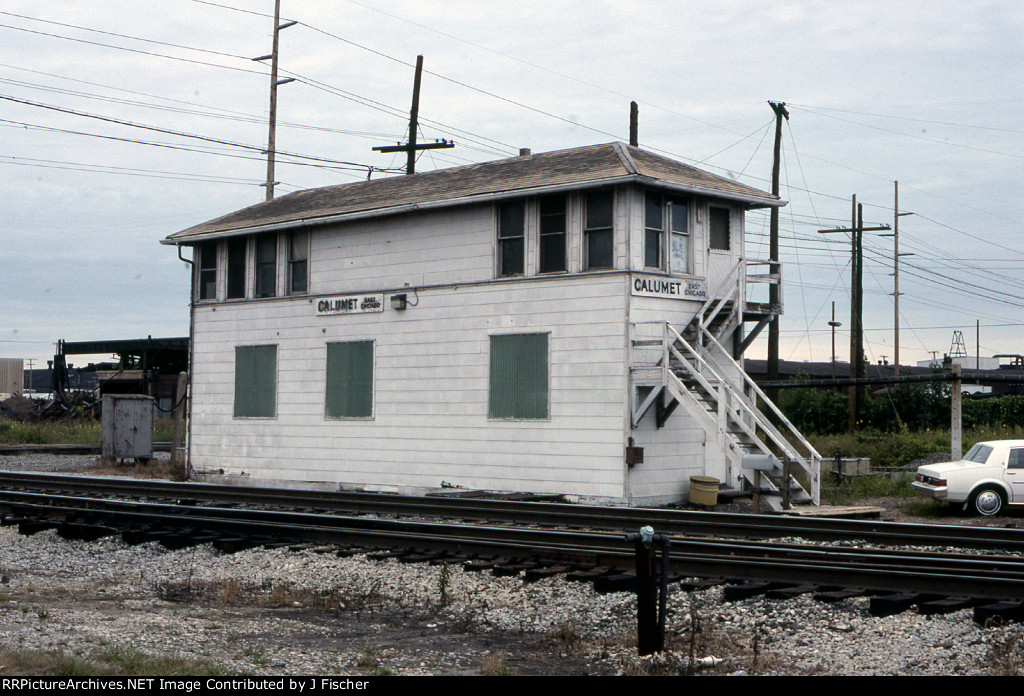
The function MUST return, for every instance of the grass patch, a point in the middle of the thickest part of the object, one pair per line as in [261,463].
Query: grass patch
[922,507]
[897,450]
[113,662]
[81,431]
[851,489]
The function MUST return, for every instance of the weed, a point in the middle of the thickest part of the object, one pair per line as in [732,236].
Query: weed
[444,579]
[1006,655]
[567,636]
[370,662]
[495,666]
[255,655]
[42,613]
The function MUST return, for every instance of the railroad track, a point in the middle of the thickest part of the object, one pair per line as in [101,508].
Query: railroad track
[541,539]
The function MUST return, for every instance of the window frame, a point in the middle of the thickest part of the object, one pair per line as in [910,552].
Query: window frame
[261,276]
[654,230]
[511,396]
[296,262]
[511,238]
[247,358]
[713,211]
[553,239]
[339,403]
[594,233]
[680,237]
[237,285]
[206,275]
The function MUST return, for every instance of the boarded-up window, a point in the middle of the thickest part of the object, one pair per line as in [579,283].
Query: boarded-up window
[519,376]
[255,381]
[719,228]
[350,379]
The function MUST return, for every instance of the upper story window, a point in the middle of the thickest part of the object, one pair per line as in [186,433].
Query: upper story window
[266,265]
[206,271]
[671,214]
[298,263]
[719,228]
[552,233]
[679,224]
[237,255]
[654,230]
[511,238]
[598,238]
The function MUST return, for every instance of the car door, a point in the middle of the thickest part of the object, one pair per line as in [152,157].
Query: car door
[1014,474]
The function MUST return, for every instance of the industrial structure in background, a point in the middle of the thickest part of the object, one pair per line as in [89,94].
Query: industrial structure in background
[147,366]
[565,322]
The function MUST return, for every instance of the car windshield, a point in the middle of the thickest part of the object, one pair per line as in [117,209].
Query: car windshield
[979,453]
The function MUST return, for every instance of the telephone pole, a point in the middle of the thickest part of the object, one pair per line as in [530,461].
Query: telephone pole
[857,367]
[274,82]
[411,148]
[773,252]
[896,272]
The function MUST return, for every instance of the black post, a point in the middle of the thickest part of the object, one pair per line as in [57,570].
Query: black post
[650,607]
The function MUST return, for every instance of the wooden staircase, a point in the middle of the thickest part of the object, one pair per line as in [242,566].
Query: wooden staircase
[695,371]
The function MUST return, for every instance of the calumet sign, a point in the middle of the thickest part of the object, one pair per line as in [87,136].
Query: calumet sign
[660,286]
[350,304]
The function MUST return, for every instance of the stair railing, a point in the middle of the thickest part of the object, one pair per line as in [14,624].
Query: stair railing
[811,464]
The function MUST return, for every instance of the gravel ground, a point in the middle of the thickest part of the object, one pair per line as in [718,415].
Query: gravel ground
[281,612]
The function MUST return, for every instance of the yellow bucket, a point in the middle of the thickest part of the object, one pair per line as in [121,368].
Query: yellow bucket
[703,490]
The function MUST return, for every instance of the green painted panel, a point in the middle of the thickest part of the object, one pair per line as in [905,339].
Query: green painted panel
[350,380]
[519,376]
[255,381]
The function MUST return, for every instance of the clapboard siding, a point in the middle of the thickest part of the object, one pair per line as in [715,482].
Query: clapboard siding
[430,407]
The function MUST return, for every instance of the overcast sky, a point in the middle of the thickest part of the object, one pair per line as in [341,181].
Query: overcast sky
[101,103]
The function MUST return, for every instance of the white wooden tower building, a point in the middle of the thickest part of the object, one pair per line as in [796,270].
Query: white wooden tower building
[565,322]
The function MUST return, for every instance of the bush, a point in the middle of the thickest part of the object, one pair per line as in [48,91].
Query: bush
[814,410]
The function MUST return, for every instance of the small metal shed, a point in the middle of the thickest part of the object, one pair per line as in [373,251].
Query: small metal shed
[127,426]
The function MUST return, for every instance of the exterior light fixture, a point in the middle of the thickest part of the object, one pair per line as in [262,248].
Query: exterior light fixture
[399,301]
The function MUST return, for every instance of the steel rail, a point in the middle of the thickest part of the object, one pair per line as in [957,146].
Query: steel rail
[981,577]
[667,521]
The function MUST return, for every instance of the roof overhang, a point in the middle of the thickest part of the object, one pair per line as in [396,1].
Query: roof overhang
[320,220]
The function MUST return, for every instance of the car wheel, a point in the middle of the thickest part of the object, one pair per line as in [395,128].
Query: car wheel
[988,501]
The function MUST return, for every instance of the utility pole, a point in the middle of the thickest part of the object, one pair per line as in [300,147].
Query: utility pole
[896,273]
[773,252]
[274,82]
[857,367]
[411,148]
[856,308]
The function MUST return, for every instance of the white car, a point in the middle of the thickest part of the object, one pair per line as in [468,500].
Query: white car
[986,480]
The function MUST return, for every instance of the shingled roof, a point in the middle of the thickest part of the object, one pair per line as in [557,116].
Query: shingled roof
[583,167]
